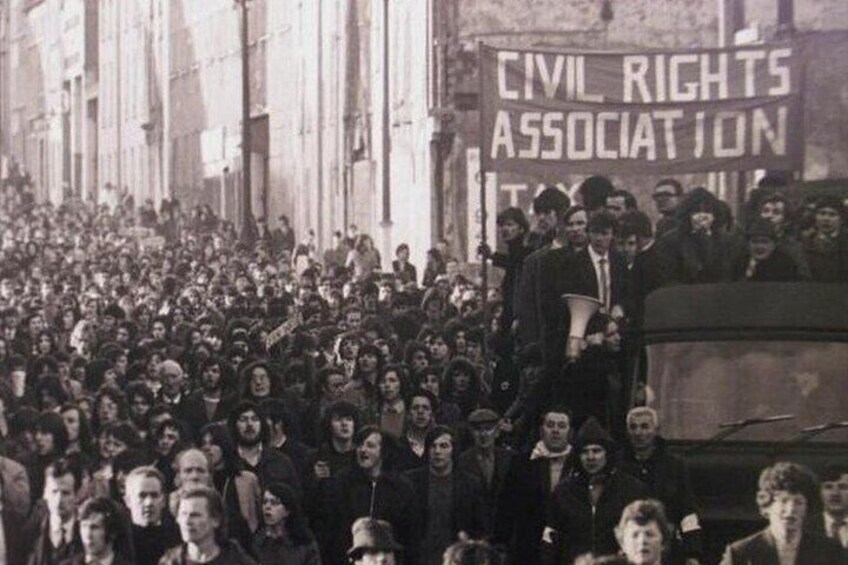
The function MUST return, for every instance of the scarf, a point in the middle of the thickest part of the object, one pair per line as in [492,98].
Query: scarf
[541,451]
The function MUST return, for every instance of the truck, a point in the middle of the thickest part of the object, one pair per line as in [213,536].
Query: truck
[744,375]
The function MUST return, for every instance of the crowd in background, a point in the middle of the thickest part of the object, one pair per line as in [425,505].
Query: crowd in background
[173,391]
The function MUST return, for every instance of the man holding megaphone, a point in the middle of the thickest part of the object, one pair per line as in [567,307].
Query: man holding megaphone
[593,280]
[592,284]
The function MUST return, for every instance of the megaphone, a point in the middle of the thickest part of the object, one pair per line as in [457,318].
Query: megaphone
[581,308]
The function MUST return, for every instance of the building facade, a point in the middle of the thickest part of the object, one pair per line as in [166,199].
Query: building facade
[361,112]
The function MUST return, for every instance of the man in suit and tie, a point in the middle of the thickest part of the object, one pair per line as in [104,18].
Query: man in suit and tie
[597,271]
[786,490]
[52,529]
[833,520]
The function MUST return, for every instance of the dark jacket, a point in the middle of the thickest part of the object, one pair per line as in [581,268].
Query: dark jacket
[351,495]
[686,258]
[583,280]
[523,507]
[231,553]
[511,262]
[579,526]
[406,459]
[278,550]
[828,259]
[469,463]
[761,549]
[192,411]
[79,559]
[645,277]
[566,272]
[275,467]
[667,479]
[778,267]
[150,543]
[316,490]
[300,455]
[471,513]
[528,307]
[16,544]
[405,273]
[37,536]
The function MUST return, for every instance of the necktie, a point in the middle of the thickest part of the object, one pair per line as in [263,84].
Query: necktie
[604,294]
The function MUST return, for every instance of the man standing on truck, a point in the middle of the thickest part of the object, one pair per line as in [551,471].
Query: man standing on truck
[786,490]
[646,457]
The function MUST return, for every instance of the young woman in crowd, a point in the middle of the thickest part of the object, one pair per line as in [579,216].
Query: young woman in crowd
[284,536]
[392,389]
[79,429]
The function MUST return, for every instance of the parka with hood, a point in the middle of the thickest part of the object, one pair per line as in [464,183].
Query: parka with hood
[577,524]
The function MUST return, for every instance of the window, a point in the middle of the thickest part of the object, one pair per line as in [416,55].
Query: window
[701,385]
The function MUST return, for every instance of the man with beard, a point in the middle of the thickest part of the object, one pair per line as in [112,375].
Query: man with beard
[786,490]
[249,428]
[153,529]
[450,503]
[211,403]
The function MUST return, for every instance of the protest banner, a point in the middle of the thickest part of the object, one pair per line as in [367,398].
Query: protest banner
[547,113]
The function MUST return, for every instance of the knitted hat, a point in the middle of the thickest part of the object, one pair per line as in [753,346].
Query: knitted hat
[592,433]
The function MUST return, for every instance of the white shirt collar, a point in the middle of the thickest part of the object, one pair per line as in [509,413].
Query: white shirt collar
[595,256]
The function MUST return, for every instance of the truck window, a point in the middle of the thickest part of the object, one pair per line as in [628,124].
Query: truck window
[698,386]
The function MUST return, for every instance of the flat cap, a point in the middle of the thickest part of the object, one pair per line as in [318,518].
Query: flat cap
[483,416]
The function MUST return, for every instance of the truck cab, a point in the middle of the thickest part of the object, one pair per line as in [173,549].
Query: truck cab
[743,375]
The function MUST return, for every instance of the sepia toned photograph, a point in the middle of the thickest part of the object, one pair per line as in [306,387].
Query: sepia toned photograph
[424,282]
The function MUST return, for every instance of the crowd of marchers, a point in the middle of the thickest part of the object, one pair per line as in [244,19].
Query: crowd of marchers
[172,391]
